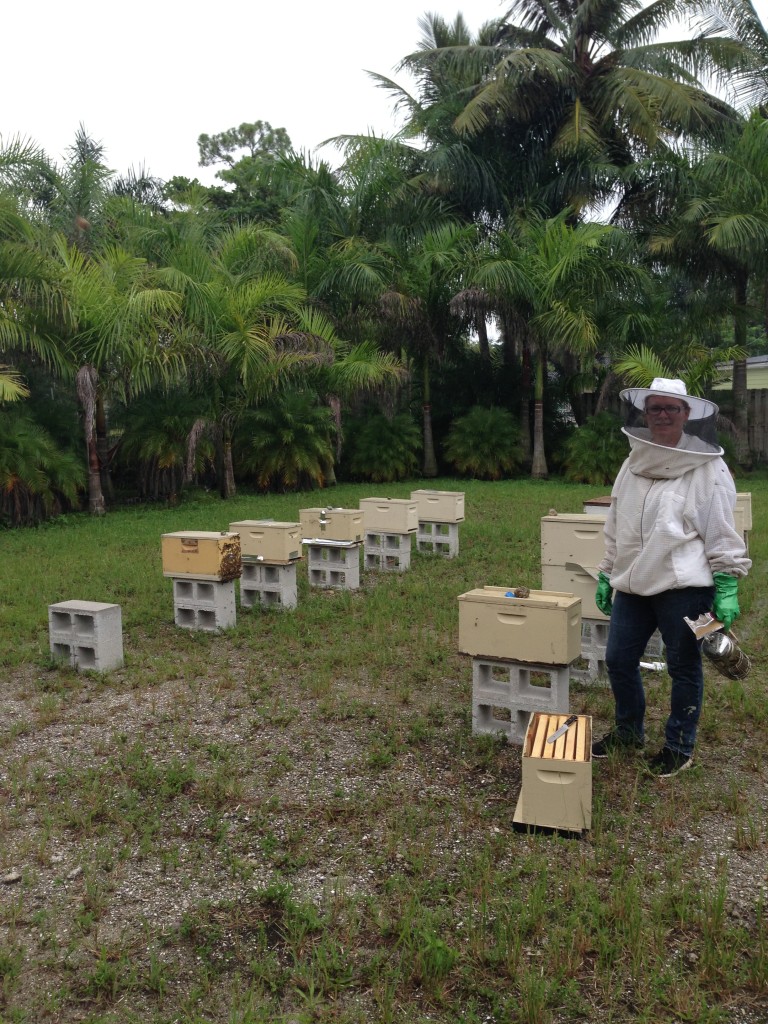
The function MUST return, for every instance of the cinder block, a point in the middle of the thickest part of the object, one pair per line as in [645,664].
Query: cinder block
[87,634]
[556,791]
[438,539]
[543,627]
[342,524]
[268,585]
[520,685]
[333,565]
[388,552]
[204,555]
[439,506]
[591,666]
[505,693]
[204,605]
[269,540]
[389,515]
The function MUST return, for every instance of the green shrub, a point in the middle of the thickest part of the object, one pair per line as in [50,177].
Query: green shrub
[484,444]
[382,449]
[286,444]
[37,478]
[595,451]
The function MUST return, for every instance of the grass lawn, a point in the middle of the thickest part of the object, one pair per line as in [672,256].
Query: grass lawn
[292,821]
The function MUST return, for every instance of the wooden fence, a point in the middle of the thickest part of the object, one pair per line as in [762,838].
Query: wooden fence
[757,402]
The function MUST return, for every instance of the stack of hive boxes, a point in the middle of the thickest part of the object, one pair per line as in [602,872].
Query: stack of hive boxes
[389,525]
[742,514]
[522,644]
[269,552]
[439,514]
[572,546]
[203,566]
[333,538]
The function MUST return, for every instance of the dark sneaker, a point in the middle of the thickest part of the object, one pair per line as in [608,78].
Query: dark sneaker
[668,762]
[615,740]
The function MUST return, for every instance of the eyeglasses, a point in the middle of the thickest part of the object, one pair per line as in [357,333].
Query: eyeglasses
[657,410]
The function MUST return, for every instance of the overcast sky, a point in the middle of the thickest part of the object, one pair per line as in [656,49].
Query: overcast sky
[146,79]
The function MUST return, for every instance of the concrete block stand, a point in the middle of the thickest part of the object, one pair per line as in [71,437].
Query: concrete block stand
[87,634]
[388,552]
[268,586]
[333,565]
[504,693]
[438,539]
[204,604]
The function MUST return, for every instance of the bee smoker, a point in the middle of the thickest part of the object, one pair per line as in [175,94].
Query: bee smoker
[726,655]
[720,647]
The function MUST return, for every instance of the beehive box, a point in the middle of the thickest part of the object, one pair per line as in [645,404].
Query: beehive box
[543,628]
[743,504]
[574,580]
[576,539]
[390,515]
[341,524]
[439,506]
[557,777]
[269,540]
[598,506]
[202,554]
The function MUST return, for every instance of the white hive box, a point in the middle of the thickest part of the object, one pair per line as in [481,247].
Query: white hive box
[576,539]
[390,515]
[203,554]
[598,506]
[579,582]
[439,506]
[268,540]
[744,500]
[543,628]
[572,546]
[340,524]
[557,777]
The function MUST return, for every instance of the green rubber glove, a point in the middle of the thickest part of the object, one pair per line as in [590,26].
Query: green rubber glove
[604,594]
[725,606]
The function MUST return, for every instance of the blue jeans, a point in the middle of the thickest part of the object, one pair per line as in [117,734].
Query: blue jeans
[633,621]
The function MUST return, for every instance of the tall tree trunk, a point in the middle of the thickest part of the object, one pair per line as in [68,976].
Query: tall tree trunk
[482,340]
[525,404]
[102,448]
[229,490]
[429,468]
[740,408]
[539,469]
[86,382]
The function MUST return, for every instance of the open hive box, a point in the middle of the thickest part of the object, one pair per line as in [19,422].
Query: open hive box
[557,777]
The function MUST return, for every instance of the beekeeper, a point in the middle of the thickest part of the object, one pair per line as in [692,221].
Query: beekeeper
[671,551]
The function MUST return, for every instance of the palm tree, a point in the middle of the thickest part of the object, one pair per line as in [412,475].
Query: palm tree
[36,477]
[578,90]
[721,233]
[570,288]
